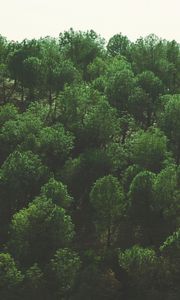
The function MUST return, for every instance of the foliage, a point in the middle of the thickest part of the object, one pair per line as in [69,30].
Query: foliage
[149,149]
[64,267]
[89,168]
[108,201]
[36,227]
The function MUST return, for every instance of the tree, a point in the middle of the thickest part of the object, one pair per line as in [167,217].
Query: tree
[5,87]
[128,127]
[142,267]
[140,210]
[63,270]
[24,73]
[173,76]
[140,106]
[97,68]
[170,123]
[38,231]
[171,247]
[3,48]
[72,106]
[120,83]
[8,112]
[119,45]
[170,250]
[5,90]
[10,277]
[129,175]
[118,157]
[81,47]
[80,174]
[100,125]
[147,52]
[39,110]
[34,284]
[153,87]
[55,145]
[51,58]
[32,74]
[58,73]
[149,149]
[21,177]
[107,198]
[58,192]
[93,164]
[166,194]
[20,132]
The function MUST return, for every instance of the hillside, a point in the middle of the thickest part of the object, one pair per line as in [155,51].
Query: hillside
[89,168]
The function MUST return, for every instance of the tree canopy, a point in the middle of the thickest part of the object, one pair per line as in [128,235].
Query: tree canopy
[89,168]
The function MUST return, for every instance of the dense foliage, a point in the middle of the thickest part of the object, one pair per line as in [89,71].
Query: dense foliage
[89,168]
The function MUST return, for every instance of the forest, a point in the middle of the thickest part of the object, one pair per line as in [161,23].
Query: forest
[89,168]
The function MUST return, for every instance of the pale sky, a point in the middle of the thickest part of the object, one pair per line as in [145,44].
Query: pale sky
[21,19]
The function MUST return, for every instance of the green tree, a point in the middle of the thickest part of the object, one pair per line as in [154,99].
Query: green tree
[6,90]
[8,112]
[38,231]
[32,75]
[10,277]
[166,194]
[129,175]
[147,53]
[23,73]
[153,88]
[20,132]
[107,198]
[97,68]
[72,106]
[58,192]
[170,250]
[63,271]
[170,123]
[21,177]
[119,45]
[149,149]
[140,106]
[140,210]
[173,76]
[171,247]
[34,284]
[100,125]
[81,47]
[120,82]
[55,145]
[93,164]
[142,268]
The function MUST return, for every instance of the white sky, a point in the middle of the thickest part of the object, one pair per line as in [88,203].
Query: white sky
[21,19]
